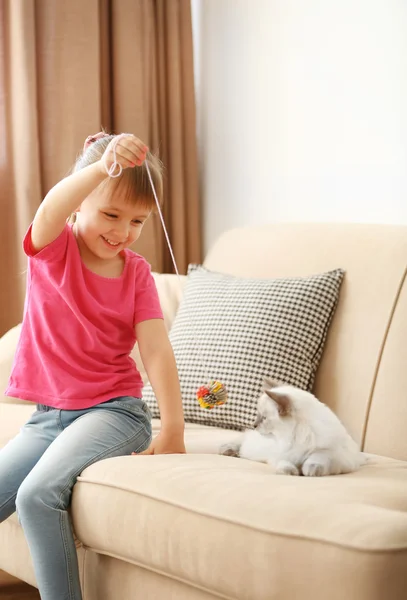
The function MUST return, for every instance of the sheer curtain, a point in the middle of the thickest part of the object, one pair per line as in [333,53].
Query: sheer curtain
[66,70]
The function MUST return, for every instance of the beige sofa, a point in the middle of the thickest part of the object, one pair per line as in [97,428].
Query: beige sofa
[204,526]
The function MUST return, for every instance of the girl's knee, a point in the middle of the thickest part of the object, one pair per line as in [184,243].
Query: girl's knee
[34,495]
[25,496]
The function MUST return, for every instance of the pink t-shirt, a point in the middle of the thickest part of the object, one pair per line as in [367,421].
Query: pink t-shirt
[78,327]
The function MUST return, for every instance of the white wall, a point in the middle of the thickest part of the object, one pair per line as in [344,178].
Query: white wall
[302,111]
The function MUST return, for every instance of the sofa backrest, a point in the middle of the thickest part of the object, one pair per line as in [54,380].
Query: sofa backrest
[363,372]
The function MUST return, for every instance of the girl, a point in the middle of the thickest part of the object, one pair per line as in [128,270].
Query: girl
[88,299]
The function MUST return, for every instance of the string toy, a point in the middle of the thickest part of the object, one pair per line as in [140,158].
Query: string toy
[214,393]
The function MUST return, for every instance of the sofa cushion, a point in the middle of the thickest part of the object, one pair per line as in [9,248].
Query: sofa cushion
[233,527]
[239,330]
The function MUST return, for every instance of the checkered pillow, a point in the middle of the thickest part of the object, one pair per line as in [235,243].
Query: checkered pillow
[239,330]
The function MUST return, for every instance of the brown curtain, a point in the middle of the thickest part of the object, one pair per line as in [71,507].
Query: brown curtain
[66,70]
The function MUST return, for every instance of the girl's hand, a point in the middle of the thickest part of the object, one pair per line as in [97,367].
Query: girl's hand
[165,443]
[129,150]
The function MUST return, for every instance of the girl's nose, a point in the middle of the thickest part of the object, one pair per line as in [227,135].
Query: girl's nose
[122,230]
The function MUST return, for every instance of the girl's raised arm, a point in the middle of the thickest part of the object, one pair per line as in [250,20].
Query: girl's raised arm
[61,201]
[67,195]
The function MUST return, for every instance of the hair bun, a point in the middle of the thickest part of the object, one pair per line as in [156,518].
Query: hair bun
[91,139]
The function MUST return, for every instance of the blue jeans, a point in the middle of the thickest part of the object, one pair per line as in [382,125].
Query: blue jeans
[39,467]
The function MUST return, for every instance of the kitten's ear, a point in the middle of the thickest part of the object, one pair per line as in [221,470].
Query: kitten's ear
[283,402]
[269,383]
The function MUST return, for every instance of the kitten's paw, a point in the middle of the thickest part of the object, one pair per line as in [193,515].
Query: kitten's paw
[313,470]
[230,450]
[286,468]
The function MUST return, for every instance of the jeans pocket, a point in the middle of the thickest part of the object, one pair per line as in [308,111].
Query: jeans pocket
[133,404]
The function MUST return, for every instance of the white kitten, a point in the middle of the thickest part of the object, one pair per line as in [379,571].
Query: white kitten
[296,434]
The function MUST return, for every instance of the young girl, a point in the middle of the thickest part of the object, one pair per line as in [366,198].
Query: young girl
[88,299]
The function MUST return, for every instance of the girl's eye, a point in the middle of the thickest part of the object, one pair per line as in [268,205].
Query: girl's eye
[111,216]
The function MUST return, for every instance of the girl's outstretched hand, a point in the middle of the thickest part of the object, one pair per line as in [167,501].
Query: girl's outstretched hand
[129,150]
[165,444]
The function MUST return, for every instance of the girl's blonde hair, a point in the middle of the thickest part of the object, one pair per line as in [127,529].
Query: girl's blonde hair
[134,181]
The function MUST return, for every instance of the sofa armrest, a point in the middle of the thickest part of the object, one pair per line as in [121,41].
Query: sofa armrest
[8,344]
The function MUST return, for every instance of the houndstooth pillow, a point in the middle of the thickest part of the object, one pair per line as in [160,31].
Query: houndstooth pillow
[238,330]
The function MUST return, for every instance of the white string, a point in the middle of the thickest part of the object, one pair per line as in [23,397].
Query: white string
[162,219]
[176,268]
[111,172]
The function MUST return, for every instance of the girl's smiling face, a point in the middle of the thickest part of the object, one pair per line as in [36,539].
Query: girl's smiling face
[106,225]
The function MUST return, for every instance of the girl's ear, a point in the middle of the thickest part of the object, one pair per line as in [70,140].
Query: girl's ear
[283,402]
